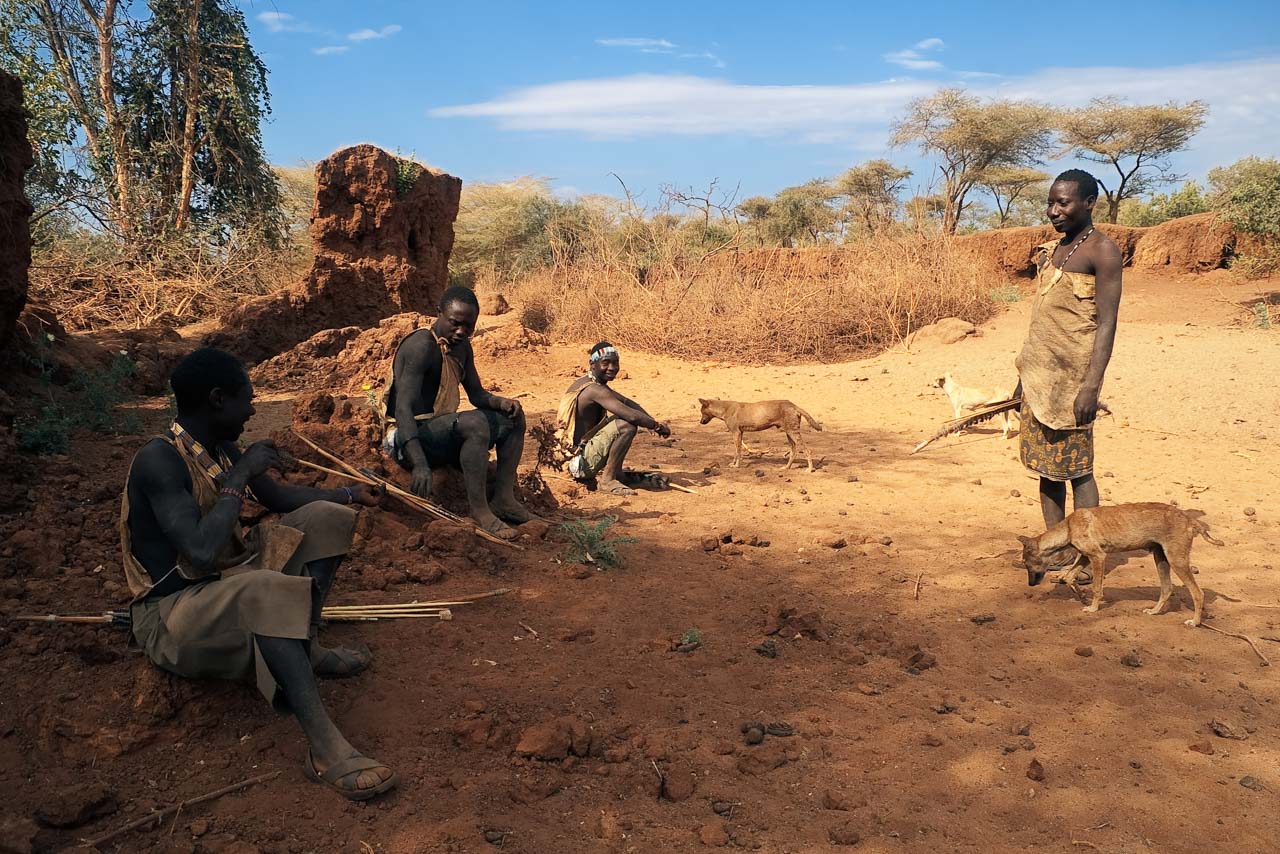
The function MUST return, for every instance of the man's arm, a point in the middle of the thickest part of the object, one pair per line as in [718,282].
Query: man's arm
[162,477]
[414,360]
[624,408]
[479,397]
[281,497]
[1107,272]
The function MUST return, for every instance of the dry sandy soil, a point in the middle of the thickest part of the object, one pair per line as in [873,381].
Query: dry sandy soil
[916,717]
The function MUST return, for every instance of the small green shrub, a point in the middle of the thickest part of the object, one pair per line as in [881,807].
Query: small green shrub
[1262,318]
[691,636]
[91,401]
[1007,293]
[408,171]
[591,544]
[47,433]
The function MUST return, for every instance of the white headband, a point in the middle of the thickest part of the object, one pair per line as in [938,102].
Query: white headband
[603,353]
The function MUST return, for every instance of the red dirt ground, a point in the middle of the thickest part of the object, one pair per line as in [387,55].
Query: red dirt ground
[919,721]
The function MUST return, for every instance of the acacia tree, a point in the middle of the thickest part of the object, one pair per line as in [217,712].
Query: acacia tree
[157,110]
[970,137]
[1135,140]
[1008,184]
[871,191]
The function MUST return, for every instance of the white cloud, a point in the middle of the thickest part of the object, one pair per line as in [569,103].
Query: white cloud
[281,22]
[707,55]
[1243,98]
[330,50]
[912,60]
[366,34]
[912,57]
[644,44]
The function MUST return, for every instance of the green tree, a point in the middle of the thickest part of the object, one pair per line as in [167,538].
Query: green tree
[154,113]
[802,214]
[755,210]
[1247,194]
[970,137]
[871,192]
[1186,200]
[1008,185]
[1135,140]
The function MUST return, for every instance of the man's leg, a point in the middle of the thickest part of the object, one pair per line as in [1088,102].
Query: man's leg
[473,459]
[611,475]
[339,660]
[1084,492]
[290,664]
[510,449]
[1053,501]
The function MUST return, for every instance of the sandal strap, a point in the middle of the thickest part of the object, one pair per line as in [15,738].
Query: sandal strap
[350,765]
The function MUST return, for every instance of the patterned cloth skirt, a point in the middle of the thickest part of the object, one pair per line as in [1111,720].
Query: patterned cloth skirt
[1059,455]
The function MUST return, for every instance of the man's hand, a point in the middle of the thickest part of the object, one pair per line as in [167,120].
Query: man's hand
[258,459]
[420,485]
[507,406]
[662,429]
[366,495]
[1086,406]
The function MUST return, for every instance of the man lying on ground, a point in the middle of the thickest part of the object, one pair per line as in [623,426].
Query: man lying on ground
[596,426]
[426,370]
[213,601]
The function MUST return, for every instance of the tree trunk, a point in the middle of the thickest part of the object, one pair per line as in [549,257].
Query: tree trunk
[125,214]
[191,105]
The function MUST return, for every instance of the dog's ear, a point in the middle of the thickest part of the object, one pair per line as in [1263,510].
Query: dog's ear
[703,402]
[1026,541]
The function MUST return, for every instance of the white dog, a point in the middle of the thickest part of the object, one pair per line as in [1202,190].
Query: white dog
[963,397]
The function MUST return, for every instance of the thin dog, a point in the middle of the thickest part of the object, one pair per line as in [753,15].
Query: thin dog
[742,418]
[964,397]
[1162,529]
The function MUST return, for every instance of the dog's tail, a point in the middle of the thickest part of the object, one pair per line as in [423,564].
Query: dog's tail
[1202,528]
[807,417]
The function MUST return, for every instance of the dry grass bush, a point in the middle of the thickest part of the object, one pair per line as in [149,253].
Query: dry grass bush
[753,306]
[93,283]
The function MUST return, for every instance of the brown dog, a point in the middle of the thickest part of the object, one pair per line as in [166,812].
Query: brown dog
[742,418]
[1162,529]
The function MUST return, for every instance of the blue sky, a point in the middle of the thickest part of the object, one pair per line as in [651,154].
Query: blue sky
[764,95]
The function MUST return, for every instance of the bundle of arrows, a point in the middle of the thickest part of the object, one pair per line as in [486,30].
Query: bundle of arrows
[331,613]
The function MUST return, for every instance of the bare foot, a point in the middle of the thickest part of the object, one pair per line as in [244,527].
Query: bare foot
[511,511]
[493,525]
[614,487]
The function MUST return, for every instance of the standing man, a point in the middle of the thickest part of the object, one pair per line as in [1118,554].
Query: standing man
[213,601]
[1068,346]
[596,426]
[426,371]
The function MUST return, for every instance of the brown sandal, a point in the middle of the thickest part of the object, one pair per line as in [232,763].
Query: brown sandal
[338,771]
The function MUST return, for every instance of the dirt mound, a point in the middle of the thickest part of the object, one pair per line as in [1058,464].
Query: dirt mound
[1189,244]
[508,338]
[15,210]
[378,252]
[356,361]
[348,358]
[1009,249]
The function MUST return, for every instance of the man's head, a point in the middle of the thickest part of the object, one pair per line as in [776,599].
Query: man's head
[213,385]
[604,361]
[459,311]
[1072,196]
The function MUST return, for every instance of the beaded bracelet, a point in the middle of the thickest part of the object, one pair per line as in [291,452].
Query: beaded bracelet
[351,497]
[236,494]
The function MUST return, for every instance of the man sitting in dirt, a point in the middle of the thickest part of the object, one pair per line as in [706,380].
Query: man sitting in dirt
[596,425]
[212,600]
[426,371]
[1068,346]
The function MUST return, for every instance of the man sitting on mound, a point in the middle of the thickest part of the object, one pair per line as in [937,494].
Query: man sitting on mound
[212,600]
[596,426]
[426,370]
